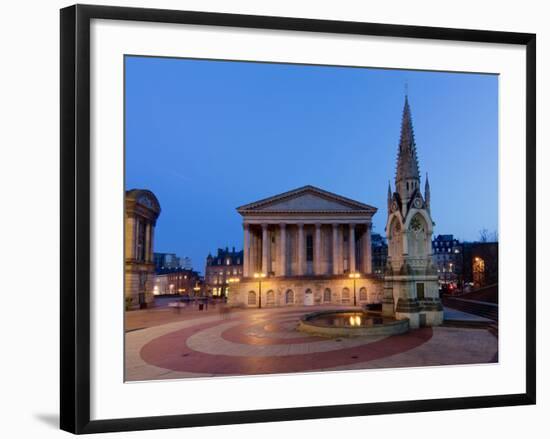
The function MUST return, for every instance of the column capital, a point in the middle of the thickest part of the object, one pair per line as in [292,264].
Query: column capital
[282,225]
[300,225]
[246,225]
[335,225]
[352,225]
[318,225]
[264,226]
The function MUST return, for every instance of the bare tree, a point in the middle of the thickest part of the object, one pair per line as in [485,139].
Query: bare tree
[486,236]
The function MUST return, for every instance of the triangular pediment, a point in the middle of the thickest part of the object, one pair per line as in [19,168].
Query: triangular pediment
[306,199]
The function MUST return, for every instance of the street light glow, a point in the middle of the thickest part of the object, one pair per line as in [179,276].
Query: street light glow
[354,275]
[259,276]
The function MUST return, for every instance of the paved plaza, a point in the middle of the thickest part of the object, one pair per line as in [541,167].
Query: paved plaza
[167,344]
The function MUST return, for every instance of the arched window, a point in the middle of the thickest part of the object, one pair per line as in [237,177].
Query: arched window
[345,295]
[395,244]
[270,298]
[418,237]
[363,294]
[251,298]
[289,297]
[327,296]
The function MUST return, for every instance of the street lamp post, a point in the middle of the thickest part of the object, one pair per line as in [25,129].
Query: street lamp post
[354,276]
[259,276]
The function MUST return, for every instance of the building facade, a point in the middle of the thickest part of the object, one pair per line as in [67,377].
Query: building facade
[411,288]
[220,268]
[166,261]
[300,248]
[480,263]
[141,212]
[447,258]
[178,281]
[171,260]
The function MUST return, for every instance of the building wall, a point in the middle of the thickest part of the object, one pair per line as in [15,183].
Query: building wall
[138,279]
[178,281]
[368,290]
[220,268]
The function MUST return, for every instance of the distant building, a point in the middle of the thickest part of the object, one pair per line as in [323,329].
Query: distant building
[447,258]
[178,281]
[171,260]
[480,265]
[379,253]
[221,267]
[186,263]
[166,260]
[141,212]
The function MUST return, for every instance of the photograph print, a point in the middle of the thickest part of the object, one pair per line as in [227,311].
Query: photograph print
[291,218]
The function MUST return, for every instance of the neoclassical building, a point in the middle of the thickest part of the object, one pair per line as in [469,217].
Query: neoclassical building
[302,246]
[141,212]
[309,246]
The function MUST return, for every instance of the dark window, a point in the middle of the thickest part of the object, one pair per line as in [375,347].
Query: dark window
[309,248]
[140,240]
[420,291]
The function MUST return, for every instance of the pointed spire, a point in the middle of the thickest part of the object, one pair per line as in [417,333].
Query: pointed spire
[427,192]
[407,175]
[389,195]
[407,160]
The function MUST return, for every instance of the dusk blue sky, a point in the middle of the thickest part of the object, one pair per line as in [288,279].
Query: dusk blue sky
[208,136]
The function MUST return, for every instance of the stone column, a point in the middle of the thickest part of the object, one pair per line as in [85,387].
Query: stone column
[366,250]
[301,255]
[130,238]
[282,251]
[147,241]
[246,251]
[152,245]
[251,263]
[335,252]
[351,248]
[317,250]
[266,246]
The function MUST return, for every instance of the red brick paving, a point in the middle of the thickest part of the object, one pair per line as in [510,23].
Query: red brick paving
[171,352]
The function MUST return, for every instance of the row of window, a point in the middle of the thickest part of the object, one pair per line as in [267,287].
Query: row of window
[289,297]
[444,243]
[228,261]
[446,250]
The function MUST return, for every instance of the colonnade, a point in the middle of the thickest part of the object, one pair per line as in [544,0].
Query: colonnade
[301,248]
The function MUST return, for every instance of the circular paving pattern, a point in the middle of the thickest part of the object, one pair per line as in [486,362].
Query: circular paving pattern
[263,342]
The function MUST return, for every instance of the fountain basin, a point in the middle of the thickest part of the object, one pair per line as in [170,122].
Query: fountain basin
[351,323]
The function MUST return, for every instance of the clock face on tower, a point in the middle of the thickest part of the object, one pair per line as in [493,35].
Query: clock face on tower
[417,203]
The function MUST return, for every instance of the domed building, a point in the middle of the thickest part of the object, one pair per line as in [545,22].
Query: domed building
[141,212]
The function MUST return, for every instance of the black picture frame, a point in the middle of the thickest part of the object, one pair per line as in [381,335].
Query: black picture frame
[75,217]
